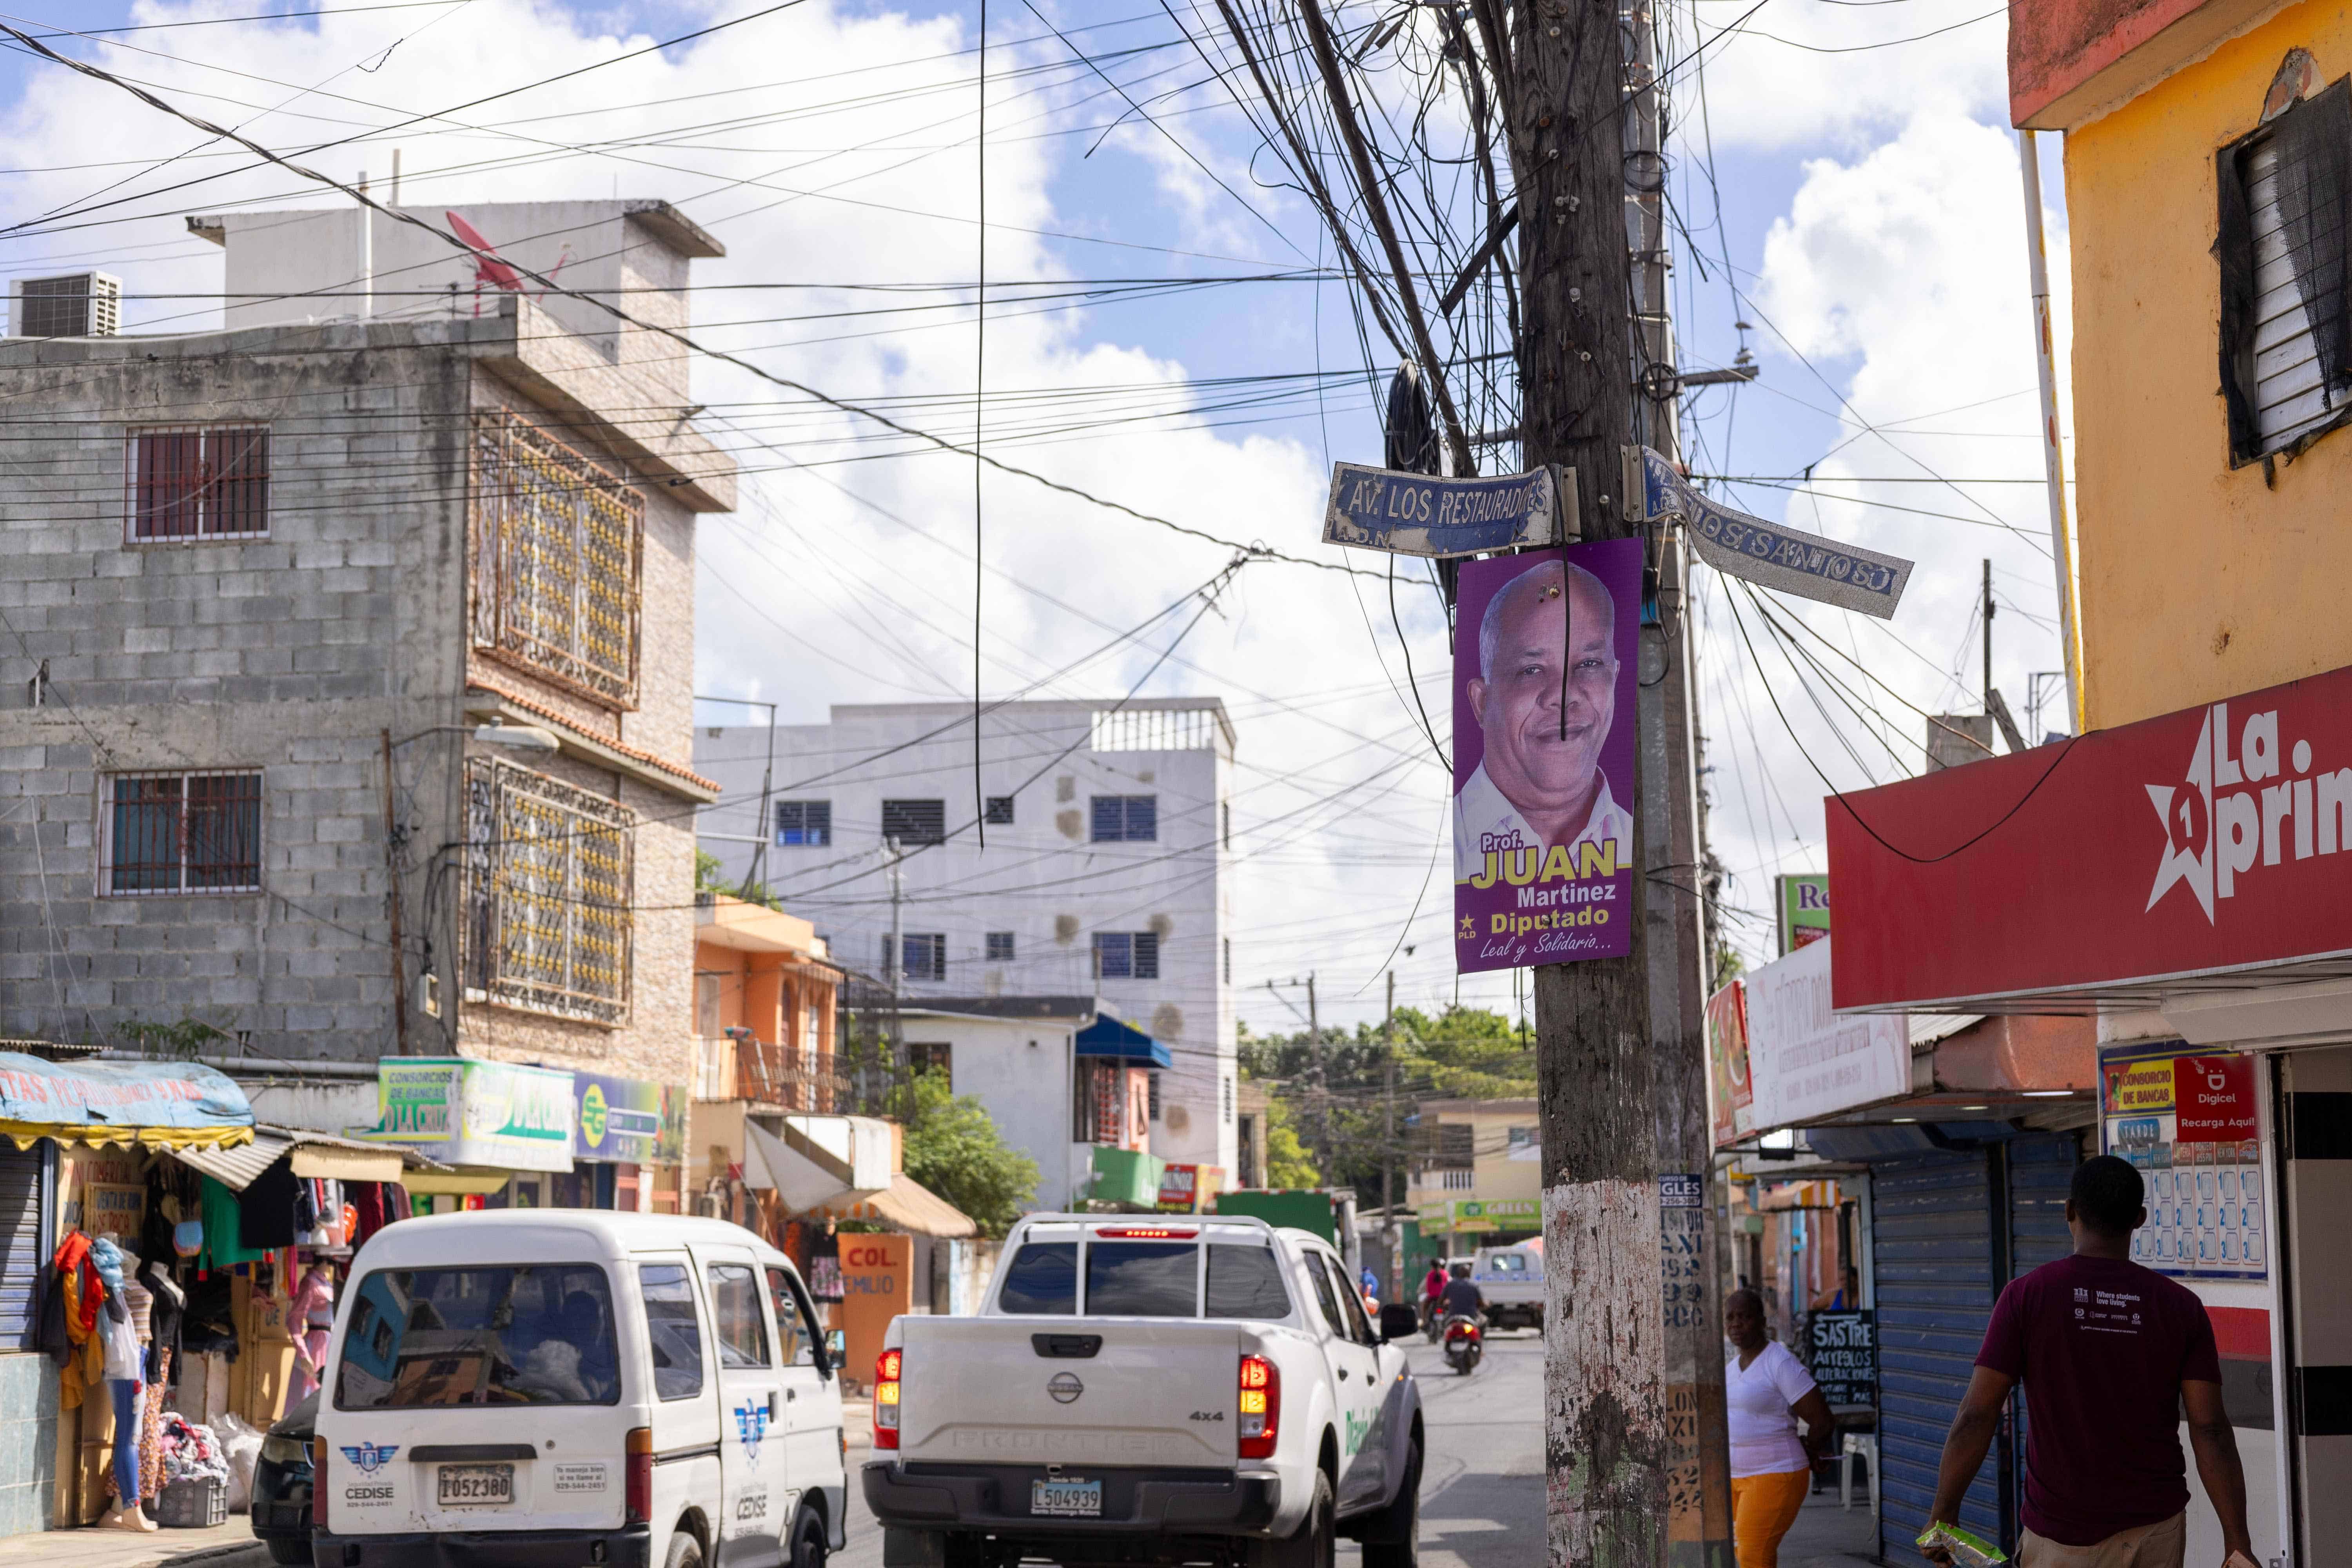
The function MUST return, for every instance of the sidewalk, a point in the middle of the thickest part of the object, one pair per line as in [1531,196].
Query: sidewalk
[1826,1536]
[229,1545]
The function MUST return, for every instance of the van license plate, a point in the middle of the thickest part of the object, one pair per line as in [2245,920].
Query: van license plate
[1070,1499]
[465,1485]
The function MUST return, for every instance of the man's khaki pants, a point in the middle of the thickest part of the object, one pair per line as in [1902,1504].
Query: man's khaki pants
[2159,1545]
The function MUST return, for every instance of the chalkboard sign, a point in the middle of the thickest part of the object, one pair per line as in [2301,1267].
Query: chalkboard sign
[1844,1358]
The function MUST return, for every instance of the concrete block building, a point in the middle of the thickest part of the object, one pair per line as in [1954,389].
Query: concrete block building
[264,588]
[1107,872]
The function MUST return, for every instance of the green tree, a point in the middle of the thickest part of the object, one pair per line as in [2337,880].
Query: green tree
[953,1149]
[1288,1163]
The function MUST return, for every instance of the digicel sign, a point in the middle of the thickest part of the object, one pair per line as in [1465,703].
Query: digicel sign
[2215,838]
[2214,1098]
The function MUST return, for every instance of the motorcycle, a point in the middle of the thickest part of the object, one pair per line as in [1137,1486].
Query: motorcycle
[1433,1319]
[1465,1344]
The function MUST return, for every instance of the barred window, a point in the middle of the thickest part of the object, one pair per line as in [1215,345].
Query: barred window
[182,833]
[915,821]
[1126,818]
[550,879]
[925,955]
[999,813]
[1127,955]
[1000,947]
[207,482]
[804,824]
[558,549]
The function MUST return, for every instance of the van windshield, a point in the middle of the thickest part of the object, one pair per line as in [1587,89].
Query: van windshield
[424,1339]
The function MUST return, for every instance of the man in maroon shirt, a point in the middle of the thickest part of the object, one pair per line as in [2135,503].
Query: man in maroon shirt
[2109,1352]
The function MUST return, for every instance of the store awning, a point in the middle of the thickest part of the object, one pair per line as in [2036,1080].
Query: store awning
[1107,1036]
[152,1105]
[312,1153]
[800,1171]
[905,1204]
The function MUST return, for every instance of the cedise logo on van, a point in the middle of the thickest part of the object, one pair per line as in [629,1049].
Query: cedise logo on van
[370,1457]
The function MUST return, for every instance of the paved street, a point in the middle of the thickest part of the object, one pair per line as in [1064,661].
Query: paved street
[1482,1483]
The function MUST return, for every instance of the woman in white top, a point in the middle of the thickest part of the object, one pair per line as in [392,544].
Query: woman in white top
[1767,1391]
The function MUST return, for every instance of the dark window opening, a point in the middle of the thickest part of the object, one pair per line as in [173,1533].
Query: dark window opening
[915,821]
[1127,955]
[1000,811]
[804,824]
[1126,818]
[1000,947]
[184,832]
[205,483]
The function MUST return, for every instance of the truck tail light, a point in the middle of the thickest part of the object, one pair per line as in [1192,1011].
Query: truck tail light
[638,1488]
[1261,1407]
[886,1398]
[318,1483]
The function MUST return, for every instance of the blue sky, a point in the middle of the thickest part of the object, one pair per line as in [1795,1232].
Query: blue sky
[1869,211]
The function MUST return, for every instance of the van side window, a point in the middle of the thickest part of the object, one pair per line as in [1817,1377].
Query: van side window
[795,1330]
[735,1302]
[1323,1296]
[673,1327]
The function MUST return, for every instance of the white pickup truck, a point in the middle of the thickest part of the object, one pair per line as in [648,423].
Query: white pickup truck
[1511,1278]
[1199,1390]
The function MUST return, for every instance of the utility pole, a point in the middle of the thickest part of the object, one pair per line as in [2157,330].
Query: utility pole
[1322,1099]
[1987,635]
[894,969]
[1635,1445]
[1395,1291]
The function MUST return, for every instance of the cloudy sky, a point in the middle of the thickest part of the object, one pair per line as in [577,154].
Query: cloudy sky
[1843,167]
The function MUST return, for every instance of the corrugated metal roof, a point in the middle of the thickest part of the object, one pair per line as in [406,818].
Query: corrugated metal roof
[236,1169]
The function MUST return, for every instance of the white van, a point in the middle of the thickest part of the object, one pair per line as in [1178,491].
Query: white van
[564,1388]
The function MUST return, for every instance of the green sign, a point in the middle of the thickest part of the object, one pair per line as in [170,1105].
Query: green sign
[467,1111]
[1803,899]
[1482,1213]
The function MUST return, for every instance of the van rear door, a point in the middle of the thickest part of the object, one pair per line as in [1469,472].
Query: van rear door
[478,1397]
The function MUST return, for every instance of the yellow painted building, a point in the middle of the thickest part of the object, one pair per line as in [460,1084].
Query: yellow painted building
[2207,566]
[1477,1169]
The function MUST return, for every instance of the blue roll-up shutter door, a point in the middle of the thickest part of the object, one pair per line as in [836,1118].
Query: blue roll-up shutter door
[25,1182]
[1948,1230]
[1931,1236]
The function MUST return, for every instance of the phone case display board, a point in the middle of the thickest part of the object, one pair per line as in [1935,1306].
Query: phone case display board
[2188,1123]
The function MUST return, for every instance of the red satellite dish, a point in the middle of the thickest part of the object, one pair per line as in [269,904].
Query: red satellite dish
[487,268]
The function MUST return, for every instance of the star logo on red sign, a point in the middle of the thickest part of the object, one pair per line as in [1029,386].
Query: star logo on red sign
[2186,809]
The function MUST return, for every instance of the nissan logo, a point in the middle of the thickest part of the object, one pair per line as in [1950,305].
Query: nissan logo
[1065,1388]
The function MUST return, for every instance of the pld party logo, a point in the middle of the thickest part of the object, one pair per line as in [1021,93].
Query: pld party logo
[2223,818]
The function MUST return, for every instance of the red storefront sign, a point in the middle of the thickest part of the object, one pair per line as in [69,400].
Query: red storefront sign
[2209,840]
[2213,1098]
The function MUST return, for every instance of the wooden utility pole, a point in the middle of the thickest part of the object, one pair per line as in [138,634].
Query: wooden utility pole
[1634,1438]
[1395,1288]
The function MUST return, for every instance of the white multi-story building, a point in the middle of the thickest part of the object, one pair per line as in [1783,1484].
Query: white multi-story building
[1106,868]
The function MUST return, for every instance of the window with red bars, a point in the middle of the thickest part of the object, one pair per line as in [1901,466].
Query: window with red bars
[210,482]
[182,833]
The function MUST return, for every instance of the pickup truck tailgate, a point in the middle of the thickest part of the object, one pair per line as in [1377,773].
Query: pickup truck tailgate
[1025,1390]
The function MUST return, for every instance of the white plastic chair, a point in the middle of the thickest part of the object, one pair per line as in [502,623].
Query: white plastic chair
[1865,1446]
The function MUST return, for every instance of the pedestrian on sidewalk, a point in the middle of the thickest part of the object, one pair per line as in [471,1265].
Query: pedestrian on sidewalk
[1767,1390]
[2109,1352]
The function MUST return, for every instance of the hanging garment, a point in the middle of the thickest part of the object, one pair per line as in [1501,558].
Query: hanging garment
[150,1433]
[265,1209]
[223,1241]
[165,1321]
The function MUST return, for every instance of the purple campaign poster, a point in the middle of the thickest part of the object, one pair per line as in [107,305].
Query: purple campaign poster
[1543,802]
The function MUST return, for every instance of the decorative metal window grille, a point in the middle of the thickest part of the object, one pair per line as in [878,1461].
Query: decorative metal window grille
[208,482]
[1127,955]
[915,821]
[558,556]
[804,824]
[551,874]
[182,833]
[1098,1103]
[1000,947]
[999,813]
[1126,818]
[1154,1093]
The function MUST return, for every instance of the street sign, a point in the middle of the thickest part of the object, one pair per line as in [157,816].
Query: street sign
[1770,554]
[1421,514]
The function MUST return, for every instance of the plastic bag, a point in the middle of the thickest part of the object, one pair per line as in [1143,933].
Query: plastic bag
[240,1445]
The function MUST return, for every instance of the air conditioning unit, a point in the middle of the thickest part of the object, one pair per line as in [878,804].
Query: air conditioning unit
[78,305]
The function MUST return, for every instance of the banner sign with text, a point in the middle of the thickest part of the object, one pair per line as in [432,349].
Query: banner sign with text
[2189,1123]
[1774,554]
[1545,656]
[2212,841]
[1421,514]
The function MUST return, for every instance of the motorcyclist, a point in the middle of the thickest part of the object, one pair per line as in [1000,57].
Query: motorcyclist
[1461,1297]
[1433,1289]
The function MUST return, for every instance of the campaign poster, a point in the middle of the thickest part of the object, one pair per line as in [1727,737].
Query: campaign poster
[1545,666]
